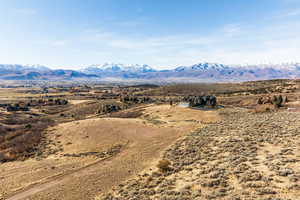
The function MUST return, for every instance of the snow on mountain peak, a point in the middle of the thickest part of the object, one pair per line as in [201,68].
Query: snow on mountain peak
[202,66]
[28,67]
[281,66]
[37,67]
[117,67]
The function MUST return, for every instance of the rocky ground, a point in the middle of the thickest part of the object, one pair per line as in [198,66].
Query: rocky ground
[243,156]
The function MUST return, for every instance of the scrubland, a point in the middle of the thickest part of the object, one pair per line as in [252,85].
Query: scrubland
[100,143]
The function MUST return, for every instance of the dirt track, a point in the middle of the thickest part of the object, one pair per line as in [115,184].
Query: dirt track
[56,180]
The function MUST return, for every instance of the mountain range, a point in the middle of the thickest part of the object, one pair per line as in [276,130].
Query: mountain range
[38,72]
[202,72]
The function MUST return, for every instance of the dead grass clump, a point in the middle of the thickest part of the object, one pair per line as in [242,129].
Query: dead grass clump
[164,165]
[20,119]
[2,157]
[12,135]
[126,114]
[5,129]
[89,108]
[9,156]
[264,108]
[56,109]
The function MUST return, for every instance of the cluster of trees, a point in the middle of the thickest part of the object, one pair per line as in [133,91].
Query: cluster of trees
[48,102]
[108,108]
[276,100]
[135,99]
[59,101]
[22,106]
[16,107]
[195,101]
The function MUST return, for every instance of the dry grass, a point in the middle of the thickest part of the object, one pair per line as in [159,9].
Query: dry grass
[173,116]
[127,114]
[264,108]
[20,137]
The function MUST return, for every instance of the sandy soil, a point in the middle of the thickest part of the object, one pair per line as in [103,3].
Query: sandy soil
[73,168]
[74,102]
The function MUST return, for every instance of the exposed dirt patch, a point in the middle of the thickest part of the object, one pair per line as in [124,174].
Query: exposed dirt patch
[177,117]
[74,102]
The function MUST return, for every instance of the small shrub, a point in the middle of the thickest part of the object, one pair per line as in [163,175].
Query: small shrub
[22,140]
[164,165]
[277,101]
[28,126]
[2,157]
[9,156]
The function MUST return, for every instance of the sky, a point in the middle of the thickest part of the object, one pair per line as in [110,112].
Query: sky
[161,33]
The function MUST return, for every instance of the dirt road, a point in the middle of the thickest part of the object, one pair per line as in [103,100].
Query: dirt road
[56,180]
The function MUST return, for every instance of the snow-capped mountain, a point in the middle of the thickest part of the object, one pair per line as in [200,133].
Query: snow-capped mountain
[112,67]
[282,66]
[17,67]
[220,72]
[202,67]
[202,72]
[37,67]
[198,72]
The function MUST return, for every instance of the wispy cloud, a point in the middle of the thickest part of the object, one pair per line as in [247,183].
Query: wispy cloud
[288,13]
[234,43]
[52,43]
[230,44]
[59,43]
[26,11]
[232,29]
[293,13]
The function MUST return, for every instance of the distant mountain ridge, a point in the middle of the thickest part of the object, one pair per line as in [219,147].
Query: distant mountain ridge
[38,72]
[202,72]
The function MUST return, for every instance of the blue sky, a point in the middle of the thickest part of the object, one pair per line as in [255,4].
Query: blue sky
[161,33]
